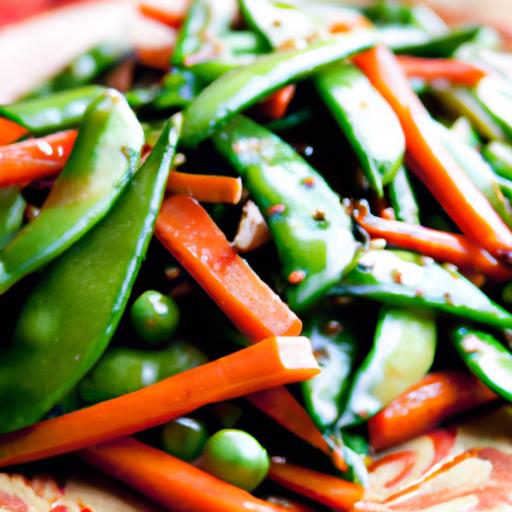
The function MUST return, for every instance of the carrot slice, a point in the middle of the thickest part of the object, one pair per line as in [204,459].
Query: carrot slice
[158,57]
[328,490]
[169,481]
[455,71]
[10,131]
[33,159]
[267,364]
[191,236]
[276,105]
[170,18]
[206,188]
[422,407]
[463,202]
[440,245]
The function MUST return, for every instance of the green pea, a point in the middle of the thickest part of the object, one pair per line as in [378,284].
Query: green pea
[155,317]
[237,458]
[184,438]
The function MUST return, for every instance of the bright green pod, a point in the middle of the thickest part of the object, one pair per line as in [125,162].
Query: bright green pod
[407,279]
[361,112]
[499,155]
[495,95]
[242,87]
[335,347]
[12,208]
[403,352]
[309,225]
[487,358]
[54,112]
[72,313]
[102,162]
[403,200]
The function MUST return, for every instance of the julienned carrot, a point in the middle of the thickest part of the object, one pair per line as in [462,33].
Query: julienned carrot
[426,404]
[158,57]
[328,490]
[10,131]
[280,405]
[276,105]
[440,245]
[169,481]
[192,237]
[33,159]
[206,188]
[463,202]
[272,362]
[455,71]
[171,18]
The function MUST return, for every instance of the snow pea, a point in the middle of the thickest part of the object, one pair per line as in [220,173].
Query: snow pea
[12,207]
[291,120]
[54,112]
[72,313]
[100,165]
[465,132]
[487,358]
[402,353]
[361,112]
[477,170]
[403,199]
[499,155]
[495,95]
[335,348]
[403,278]
[311,229]
[84,68]
[123,370]
[242,87]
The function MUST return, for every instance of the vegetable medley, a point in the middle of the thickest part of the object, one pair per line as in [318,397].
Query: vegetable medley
[297,193]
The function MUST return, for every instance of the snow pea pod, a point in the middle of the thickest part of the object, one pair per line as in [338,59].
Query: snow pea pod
[403,199]
[361,112]
[123,370]
[12,207]
[495,95]
[335,348]
[242,87]
[499,155]
[73,311]
[402,353]
[54,112]
[103,160]
[311,229]
[403,278]
[487,358]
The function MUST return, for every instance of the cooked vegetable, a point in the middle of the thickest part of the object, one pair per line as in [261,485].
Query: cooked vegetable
[12,207]
[184,438]
[10,131]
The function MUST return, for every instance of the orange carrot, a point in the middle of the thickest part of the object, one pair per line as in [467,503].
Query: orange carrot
[191,236]
[422,407]
[272,362]
[276,105]
[33,159]
[206,188]
[440,245]
[170,18]
[169,481]
[10,131]
[348,20]
[280,405]
[447,181]
[328,490]
[158,57]
[455,71]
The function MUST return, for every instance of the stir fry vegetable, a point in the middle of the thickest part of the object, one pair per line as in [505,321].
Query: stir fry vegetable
[271,249]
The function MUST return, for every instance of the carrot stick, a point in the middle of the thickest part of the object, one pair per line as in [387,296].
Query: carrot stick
[276,105]
[206,188]
[267,364]
[158,57]
[440,245]
[452,70]
[10,131]
[170,18]
[33,159]
[169,481]
[191,236]
[463,202]
[328,490]
[437,397]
